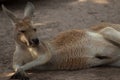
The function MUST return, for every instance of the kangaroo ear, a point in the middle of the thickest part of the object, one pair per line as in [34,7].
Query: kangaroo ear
[29,10]
[10,14]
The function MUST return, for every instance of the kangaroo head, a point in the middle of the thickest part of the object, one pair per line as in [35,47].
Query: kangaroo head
[24,31]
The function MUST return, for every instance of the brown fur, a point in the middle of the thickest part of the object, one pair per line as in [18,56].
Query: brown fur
[67,38]
[104,25]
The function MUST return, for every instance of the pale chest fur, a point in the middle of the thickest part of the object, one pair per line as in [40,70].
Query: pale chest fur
[23,55]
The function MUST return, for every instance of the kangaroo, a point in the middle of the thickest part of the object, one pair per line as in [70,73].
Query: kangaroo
[69,50]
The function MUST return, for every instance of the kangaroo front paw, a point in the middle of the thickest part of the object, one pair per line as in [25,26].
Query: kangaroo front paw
[19,76]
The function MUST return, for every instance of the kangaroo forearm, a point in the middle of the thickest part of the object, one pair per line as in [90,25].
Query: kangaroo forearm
[40,61]
[16,67]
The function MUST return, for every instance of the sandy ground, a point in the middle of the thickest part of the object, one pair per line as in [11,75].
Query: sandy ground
[56,16]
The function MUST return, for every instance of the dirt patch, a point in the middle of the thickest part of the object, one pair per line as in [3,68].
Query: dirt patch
[56,16]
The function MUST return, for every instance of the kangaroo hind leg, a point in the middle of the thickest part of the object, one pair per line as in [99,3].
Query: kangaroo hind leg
[111,34]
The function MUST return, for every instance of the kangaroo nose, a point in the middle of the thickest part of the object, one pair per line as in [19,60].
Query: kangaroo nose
[35,41]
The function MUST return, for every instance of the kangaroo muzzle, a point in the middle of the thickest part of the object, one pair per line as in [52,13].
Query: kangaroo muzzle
[34,42]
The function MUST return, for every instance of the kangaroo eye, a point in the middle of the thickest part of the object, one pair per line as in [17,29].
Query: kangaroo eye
[35,29]
[23,31]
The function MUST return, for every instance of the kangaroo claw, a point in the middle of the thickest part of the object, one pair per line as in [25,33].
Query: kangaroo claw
[19,76]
